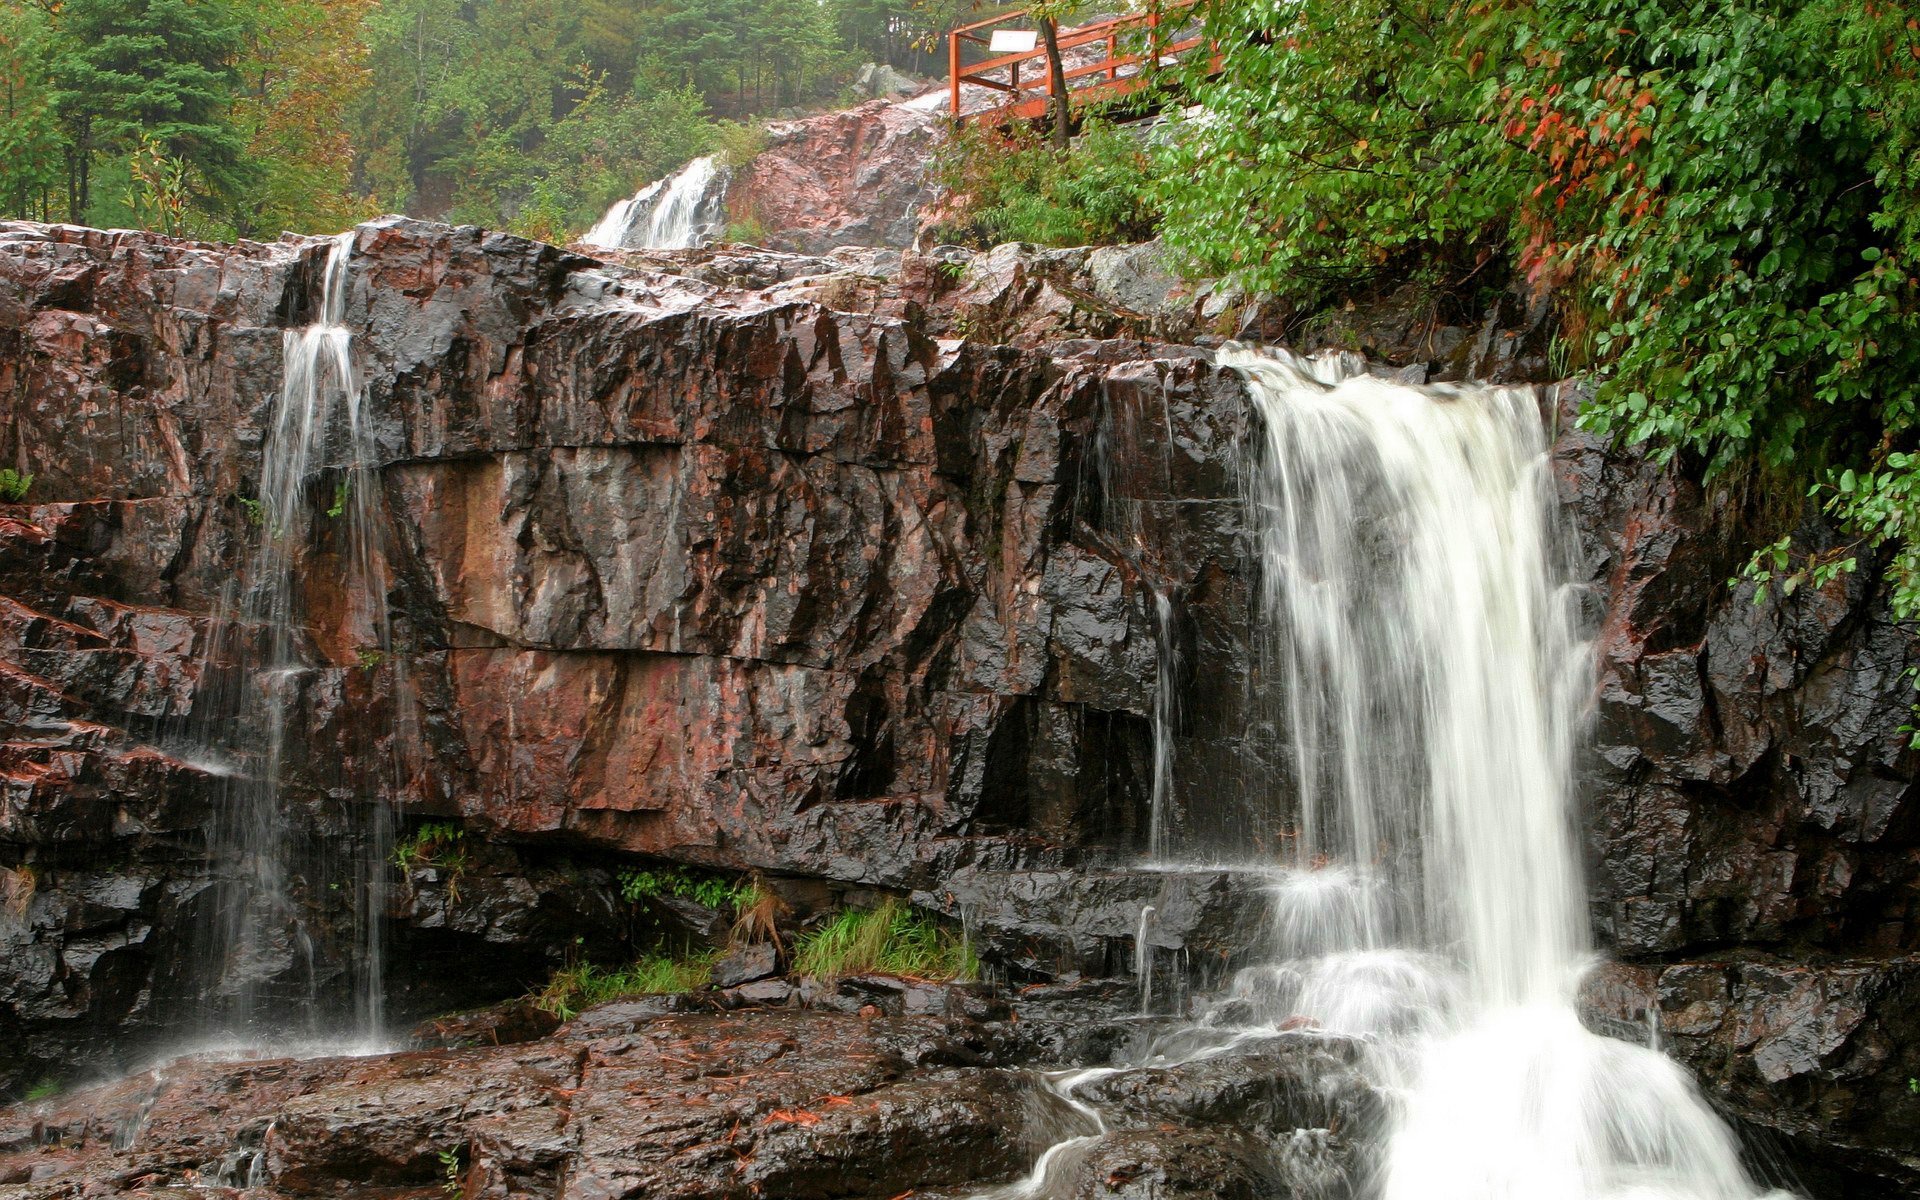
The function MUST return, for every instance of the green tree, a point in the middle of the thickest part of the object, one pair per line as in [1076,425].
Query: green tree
[300,72]
[130,71]
[30,141]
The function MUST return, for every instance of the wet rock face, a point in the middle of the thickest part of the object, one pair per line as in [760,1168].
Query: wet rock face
[1752,814]
[726,577]
[746,560]
[857,177]
[796,1105]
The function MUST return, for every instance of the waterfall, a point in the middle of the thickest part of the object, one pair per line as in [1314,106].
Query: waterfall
[684,211]
[1425,680]
[319,481]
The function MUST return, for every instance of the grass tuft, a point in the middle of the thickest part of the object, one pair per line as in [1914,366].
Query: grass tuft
[891,939]
[583,986]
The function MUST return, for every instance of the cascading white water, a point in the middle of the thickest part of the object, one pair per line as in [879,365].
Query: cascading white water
[319,435]
[684,211]
[1427,682]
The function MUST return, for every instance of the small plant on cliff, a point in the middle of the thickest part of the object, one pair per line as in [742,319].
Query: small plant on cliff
[256,512]
[437,845]
[14,486]
[17,887]
[737,143]
[450,1172]
[370,659]
[46,1089]
[584,985]
[714,891]
[892,939]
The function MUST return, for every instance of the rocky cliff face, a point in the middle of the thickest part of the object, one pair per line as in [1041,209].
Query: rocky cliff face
[750,561]
[856,177]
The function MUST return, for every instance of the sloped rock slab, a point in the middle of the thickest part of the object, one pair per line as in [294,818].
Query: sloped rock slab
[792,1105]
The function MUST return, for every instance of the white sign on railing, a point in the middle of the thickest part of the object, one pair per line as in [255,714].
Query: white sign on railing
[1012,41]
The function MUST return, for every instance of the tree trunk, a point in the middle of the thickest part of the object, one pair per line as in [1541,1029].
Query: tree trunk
[1056,83]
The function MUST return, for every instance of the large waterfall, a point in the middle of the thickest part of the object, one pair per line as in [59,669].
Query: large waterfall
[685,210]
[282,963]
[1426,677]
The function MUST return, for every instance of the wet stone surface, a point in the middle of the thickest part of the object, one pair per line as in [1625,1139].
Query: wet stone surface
[630,1101]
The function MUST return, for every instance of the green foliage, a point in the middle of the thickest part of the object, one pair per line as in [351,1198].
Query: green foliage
[255,510]
[450,1172]
[1014,187]
[745,55]
[584,985]
[14,485]
[714,891]
[435,844]
[137,73]
[738,142]
[46,1089]
[34,183]
[219,118]
[370,659]
[892,939]
[1725,199]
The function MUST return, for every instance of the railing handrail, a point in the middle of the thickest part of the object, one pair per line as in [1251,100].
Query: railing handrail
[1107,29]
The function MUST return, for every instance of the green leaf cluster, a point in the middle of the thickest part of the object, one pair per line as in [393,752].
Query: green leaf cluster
[1724,200]
[718,892]
[1013,186]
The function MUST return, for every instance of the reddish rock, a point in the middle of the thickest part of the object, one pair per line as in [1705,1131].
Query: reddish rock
[857,177]
[707,1107]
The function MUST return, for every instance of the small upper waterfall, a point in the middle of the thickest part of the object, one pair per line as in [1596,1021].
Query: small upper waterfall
[685,210]
[1426,679]
[278,950]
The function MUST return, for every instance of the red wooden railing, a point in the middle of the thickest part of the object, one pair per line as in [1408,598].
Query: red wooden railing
[1127,46]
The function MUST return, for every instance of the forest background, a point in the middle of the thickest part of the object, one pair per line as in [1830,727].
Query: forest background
[243,118]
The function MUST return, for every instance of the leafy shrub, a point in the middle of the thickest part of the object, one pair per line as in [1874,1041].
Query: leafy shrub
[737,143]
[1014,187]
[891,939]
[1725,199]
[435,844]
[714,891]
[14,486]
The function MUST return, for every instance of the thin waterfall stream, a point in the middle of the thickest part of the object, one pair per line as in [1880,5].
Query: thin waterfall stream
[1424,682]
[278,963]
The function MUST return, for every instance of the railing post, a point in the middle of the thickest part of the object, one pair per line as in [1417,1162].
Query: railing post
[953,72]
[1113,52]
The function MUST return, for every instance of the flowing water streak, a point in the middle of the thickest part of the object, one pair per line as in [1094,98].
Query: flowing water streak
[319,434]
[1429,678]
[1143,957]
[1166,719]
[684,211]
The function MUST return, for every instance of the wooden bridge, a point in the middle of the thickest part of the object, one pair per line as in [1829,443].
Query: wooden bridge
[1104,60]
